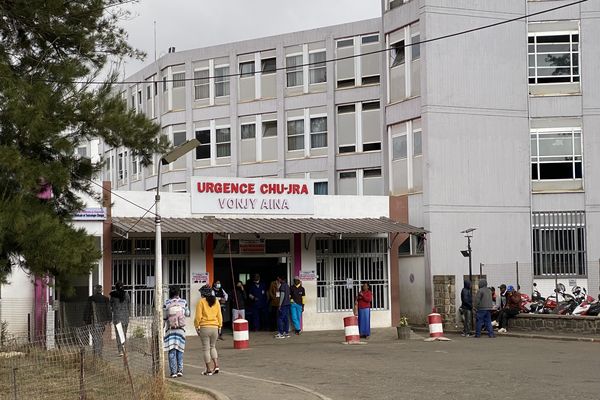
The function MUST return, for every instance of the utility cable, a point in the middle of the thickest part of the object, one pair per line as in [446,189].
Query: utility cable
[321,63]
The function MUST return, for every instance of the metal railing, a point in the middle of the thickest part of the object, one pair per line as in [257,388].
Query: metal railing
[340,296]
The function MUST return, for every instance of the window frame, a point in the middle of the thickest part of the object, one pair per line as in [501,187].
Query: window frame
[223,80]
[320,133]
[295,135]
[201,84]
[269,71]
[224,143]
[247,124]
[178,82]
[264,122]
[296,69]
[575,133]
[203,146]
[574,78]
[244,75]
[319,65]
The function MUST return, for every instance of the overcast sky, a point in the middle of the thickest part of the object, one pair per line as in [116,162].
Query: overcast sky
[188,24]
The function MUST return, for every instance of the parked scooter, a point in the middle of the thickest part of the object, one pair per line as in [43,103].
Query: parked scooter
[584,301]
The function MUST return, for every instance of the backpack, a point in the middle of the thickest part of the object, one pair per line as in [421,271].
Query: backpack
[175,314]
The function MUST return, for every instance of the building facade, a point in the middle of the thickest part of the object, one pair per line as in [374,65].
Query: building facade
[492,129]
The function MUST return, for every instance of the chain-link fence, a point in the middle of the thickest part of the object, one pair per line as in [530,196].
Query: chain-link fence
[81,363]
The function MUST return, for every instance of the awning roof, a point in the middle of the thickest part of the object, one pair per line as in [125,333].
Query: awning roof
[266,225]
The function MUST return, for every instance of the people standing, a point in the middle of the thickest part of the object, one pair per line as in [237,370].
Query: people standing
[257,293]
[513,307]
[175,311]
[283,321]
[222,297]
[484,306]
[120,306]
[466,307]
[297,294]
[239,302]
[208,321]
[273,299]
[96,316]
[364,300]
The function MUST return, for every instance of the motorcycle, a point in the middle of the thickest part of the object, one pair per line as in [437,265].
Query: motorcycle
[584,301]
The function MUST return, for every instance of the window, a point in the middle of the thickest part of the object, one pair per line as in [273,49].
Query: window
[268,65]
[556,154]
[317,68]
[370,39]
[346,109]
[413,245]
[417,143]
[370,80]
[139,95]
[321,188]
[165,84]
[553,57]
[294,70]
[372,173]
[178,138]
[122,166]
[135,166]
[345,43]
[223,140]
[248,131]
[148,92]
[343,265]
[221,81]
[82,151]
[348,175]
[269,128]
[559,243]
[398,53]
[201,84]
[399,147]
[370,106]
[203,150]
[247,69]
[295,132]
[178,80]
[318,132]
[344,83]
[415,48]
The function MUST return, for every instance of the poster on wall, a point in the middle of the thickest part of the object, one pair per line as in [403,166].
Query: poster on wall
[200,277]
[307,276]
[272,196]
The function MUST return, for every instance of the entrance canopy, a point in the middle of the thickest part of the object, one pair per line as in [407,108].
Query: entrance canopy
[266,225]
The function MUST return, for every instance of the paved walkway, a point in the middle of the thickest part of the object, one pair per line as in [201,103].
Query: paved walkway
[317,365]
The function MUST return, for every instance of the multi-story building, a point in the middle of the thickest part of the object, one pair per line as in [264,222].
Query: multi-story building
[491,129]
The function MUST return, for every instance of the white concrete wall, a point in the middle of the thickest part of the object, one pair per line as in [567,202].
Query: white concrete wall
[16,301]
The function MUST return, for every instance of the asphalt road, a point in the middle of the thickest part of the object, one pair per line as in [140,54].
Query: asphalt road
[317,365]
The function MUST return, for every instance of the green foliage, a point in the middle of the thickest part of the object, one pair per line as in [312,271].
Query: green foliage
[49,52]
[138,332]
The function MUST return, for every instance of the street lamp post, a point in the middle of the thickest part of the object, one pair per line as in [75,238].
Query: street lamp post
[468,253]
[166,159]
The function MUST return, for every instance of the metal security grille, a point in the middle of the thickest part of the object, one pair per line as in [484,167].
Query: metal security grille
[133,264]
[344,265]
[559,243]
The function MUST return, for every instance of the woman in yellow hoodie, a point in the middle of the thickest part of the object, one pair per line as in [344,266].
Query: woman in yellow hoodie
[207,322]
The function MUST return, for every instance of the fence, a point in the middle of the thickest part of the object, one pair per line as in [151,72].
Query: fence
[80,363]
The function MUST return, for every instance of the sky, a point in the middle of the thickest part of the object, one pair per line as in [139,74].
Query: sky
[188,24]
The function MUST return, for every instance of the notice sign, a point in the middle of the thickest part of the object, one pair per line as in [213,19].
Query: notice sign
[306,276]
[200,277]
[252,246]
[90,214]
[252,196]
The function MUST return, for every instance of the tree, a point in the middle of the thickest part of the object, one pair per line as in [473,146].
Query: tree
[51,51]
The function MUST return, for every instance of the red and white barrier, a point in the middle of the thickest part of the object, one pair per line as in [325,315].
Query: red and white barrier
[241,337]
[351,329]
[436,328]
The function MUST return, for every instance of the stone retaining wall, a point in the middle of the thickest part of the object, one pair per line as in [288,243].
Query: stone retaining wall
[555,323]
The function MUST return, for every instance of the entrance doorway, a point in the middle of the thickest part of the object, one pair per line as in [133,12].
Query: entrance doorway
[244,269]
